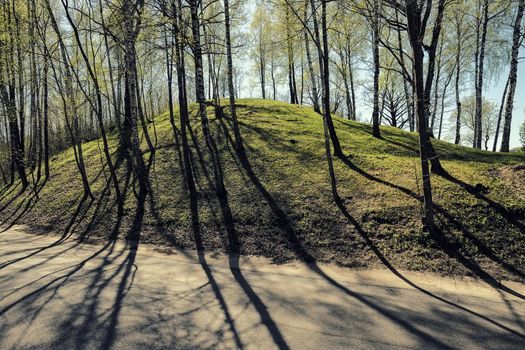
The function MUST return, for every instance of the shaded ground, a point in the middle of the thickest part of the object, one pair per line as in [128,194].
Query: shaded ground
[68,295]
[281,202]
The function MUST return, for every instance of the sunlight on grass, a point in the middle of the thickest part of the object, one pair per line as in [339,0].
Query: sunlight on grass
[285,149]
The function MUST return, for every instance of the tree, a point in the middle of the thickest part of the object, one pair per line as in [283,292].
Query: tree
[375,38]
[238,139]
[289,24]
[516,41]
[417,15]
[97,106]
[313,78]
[458,19]
[132,16]
[201,100]
[468,120]
[324,69]
[522,135]
[261,47]
[371,11]
[69,103]
[172,10]
[481,40]
[486,13]
[394,104]
[500,115]
[8,93]
[320,38]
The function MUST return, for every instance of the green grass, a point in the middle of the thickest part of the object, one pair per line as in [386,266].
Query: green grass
[287,194]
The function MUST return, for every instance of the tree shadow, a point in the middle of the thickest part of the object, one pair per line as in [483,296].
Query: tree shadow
[18,212]
[445,150]
[32,198]
[65,235]
[233,248]
[303,254]
[78,215]
[59,281]
[194,211]
[364,235]
[450,249]
[130,268]
[7,190]
[104,197]
[477,192]
[125,269]
[12,199]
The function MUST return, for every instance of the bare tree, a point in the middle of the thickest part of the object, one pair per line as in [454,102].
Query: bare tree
[417,15]
[512,77]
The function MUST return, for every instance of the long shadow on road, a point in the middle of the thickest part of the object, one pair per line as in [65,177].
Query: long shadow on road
[303,254]
[314,267]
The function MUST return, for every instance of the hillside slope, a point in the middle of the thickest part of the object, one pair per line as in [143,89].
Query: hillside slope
[281,200]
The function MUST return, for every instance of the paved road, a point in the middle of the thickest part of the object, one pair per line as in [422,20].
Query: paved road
[72,296]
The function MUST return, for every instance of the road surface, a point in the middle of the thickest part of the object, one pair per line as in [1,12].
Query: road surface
[65,295]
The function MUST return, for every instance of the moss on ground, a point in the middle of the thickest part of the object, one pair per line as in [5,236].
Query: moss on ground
[284,194]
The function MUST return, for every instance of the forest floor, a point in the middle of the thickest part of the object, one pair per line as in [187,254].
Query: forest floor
[62,294]
[281,200]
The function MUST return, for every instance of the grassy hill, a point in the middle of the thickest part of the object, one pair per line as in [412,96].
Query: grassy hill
[283,195]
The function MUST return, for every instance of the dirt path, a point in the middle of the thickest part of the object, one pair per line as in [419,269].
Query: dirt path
[66,295]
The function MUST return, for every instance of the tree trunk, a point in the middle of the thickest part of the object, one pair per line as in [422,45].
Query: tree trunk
[322,53]
[457,139]
[130,34]
[262,68]
[21,83]
[46,118]
[8,97]
[513,75]
[431,51]
[201,100]
[220,190]
[478,132]
[443,95]
[315,94]
[422,94]
[116,97]
[375,34]
[436,90]
[231,91]
[177,19]
[272,74]
[423,143]
[34,91]
[348,98]
[291,64]
[409,103]
[14,133]
[169,74]
[143,117]
[326,105]
[352,87]
[500,115]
